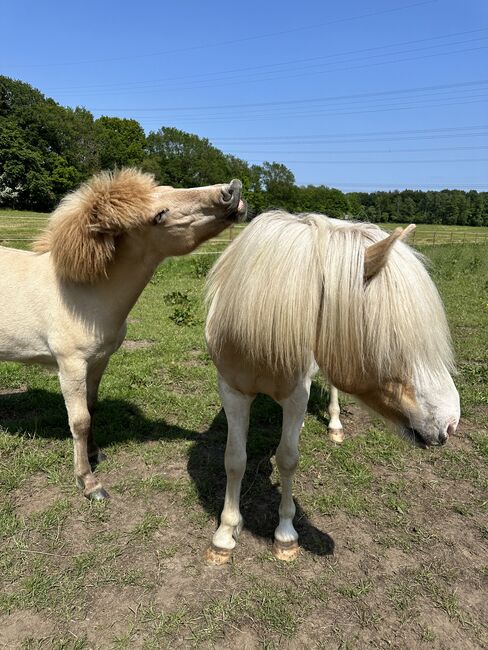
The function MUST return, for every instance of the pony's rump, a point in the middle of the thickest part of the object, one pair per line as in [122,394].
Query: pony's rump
[293,286]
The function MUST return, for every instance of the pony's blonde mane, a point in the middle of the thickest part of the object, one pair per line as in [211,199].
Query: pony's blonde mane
[292,286]
[82,231]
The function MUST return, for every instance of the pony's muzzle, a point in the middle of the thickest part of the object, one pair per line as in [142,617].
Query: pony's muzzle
[231,197]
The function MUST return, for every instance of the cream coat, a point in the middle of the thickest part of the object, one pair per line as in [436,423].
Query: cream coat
[66,307]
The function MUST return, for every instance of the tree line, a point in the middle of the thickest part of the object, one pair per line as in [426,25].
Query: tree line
[47,149]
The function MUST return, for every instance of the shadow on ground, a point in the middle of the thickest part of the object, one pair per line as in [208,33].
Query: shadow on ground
[41,414]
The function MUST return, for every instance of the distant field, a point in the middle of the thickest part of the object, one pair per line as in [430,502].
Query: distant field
[18,228]
[426,233]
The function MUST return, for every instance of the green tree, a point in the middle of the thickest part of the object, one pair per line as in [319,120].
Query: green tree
[121,142]
[24,179]
[184,160]
[279,184]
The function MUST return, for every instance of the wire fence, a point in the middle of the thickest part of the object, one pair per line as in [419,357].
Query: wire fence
[20,232]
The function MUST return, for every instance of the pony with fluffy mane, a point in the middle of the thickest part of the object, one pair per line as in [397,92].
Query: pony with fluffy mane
[294,294]
[66,304]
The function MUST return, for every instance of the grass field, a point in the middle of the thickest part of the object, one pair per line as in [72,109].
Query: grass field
[394,539]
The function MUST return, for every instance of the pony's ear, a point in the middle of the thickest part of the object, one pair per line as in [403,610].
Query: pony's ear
[376,255]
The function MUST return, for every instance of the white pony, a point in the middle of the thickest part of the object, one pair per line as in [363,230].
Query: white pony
[66,305]
[295,294]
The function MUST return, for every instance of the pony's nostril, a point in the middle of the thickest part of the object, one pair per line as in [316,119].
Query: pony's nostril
[231,193]
[443,437]
[227,194]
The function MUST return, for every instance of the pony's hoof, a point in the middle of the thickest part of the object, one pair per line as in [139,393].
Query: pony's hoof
[336,435]
[98,495]
[214,556]
[286,551]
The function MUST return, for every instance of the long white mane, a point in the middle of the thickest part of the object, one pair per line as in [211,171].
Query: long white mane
[290,287]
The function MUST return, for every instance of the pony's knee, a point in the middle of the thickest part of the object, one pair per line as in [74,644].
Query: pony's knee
[235,462]
[80,426]
[287,459]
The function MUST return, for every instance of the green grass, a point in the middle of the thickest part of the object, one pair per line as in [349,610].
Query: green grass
[393,538]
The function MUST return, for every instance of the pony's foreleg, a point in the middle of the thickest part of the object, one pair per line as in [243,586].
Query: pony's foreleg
[237,407]
[336,432]
[285,546]
[73,380]
[93,379]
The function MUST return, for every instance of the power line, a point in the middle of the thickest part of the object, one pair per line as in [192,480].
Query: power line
[339,109]
[290,102]
[363,151]
[232,81]
[272,116]
[235,40]
[416,102]
[369,162]
[430,131]
[155,82]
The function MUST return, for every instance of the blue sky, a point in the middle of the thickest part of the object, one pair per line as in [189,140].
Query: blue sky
[356,95]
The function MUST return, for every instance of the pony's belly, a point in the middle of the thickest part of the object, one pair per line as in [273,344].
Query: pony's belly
[15,347]
[28,355]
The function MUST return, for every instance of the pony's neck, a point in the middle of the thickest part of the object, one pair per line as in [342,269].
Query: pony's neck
[133,266]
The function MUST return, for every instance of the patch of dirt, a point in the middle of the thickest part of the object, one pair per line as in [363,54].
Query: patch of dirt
[17,627]
[35,495]
[112,609]
[14,391]
[356,418]
[139,344]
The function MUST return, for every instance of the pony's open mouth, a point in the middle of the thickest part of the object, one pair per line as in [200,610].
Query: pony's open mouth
[239,214]
[414,436]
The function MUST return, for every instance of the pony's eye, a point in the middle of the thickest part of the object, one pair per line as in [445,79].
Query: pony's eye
[160,217]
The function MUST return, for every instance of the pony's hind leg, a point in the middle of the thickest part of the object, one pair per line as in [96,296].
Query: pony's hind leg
[73,380]
[336,432]
[285,546]
[236,406]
